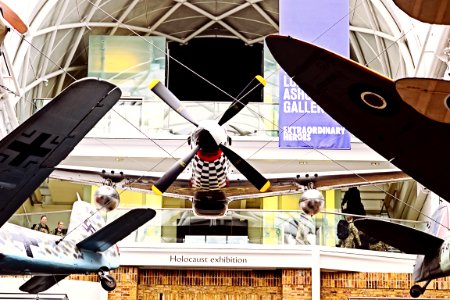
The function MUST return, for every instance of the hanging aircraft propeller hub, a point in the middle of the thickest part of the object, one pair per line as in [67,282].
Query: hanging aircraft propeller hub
[209,132]
[311,201]
[107,197]
[209,141]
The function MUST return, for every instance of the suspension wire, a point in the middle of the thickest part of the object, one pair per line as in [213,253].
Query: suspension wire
[218,88]
[97,210]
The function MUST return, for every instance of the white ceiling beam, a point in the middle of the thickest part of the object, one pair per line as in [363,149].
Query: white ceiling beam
[234,31]
[198,31]
[381,47]
[125,14]
[164,17]
[357,49]
[51,75]
[75,43]
[218,19]
[396,30]
[371,31]
[132,28]
[265,16]
[49,46]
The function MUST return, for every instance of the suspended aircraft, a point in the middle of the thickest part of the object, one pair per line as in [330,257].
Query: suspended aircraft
[432,247]
[87,247]
[27,157]
[10,20]
[209,185]
[407,121]
[428,11]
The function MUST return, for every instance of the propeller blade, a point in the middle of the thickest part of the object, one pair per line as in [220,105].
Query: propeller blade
[163,183]
[259,181]
[167,96]
[238,105]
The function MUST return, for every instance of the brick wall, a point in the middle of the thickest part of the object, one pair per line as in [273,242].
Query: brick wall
[148,284]
[209,284]
[341,285]
[296,284]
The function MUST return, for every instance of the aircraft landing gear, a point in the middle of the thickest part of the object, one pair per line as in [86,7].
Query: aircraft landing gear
[107,281]
[417,290]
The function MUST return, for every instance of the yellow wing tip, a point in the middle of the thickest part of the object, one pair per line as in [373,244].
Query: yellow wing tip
[153,83]
[156,190]
[265,187]
[261,79]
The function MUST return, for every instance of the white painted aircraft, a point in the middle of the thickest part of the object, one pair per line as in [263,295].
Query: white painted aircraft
[27,157]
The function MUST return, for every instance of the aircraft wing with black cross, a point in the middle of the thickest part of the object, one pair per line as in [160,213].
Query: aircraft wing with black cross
[29,153]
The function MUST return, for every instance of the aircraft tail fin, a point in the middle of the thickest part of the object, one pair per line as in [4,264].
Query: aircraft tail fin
[117,230]
[85,220]
[38,283]
[404,238]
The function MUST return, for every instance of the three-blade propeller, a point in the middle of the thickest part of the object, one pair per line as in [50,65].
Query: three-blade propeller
[162,184]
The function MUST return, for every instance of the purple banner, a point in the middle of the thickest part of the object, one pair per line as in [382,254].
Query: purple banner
[303,124]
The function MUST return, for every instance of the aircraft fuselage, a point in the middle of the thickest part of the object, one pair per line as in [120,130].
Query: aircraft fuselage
[433,265]
[26,251]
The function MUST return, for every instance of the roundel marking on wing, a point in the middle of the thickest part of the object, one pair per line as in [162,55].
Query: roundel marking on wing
[428,96]
[447,102]
[378,100]
[373,100]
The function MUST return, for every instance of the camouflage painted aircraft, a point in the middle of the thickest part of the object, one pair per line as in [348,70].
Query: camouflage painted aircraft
[27,157]
[428,11]
[432,247]
[406,121]
[87,247]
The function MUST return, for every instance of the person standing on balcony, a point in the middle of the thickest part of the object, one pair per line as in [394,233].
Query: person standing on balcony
[311,202]
[59,230]
[352,240]
[42,226]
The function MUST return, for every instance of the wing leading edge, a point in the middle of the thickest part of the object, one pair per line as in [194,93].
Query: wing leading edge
[30,152]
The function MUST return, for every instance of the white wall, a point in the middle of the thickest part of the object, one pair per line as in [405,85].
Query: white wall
[74,289]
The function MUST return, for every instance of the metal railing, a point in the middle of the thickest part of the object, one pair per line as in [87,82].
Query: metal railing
[239,226]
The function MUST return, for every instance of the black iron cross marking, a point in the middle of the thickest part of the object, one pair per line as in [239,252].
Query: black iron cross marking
[29,149]
[27,245]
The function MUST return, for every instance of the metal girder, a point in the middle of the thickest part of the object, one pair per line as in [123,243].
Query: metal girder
[124,15]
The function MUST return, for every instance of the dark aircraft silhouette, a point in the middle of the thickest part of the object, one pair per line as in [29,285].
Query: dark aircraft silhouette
[407,121]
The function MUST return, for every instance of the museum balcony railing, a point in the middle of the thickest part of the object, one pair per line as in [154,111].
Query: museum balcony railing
[139,118]
[239,226]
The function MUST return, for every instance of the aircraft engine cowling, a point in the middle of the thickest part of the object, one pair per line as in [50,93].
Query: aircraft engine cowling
[107,197]
[311,201]
[212,203]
